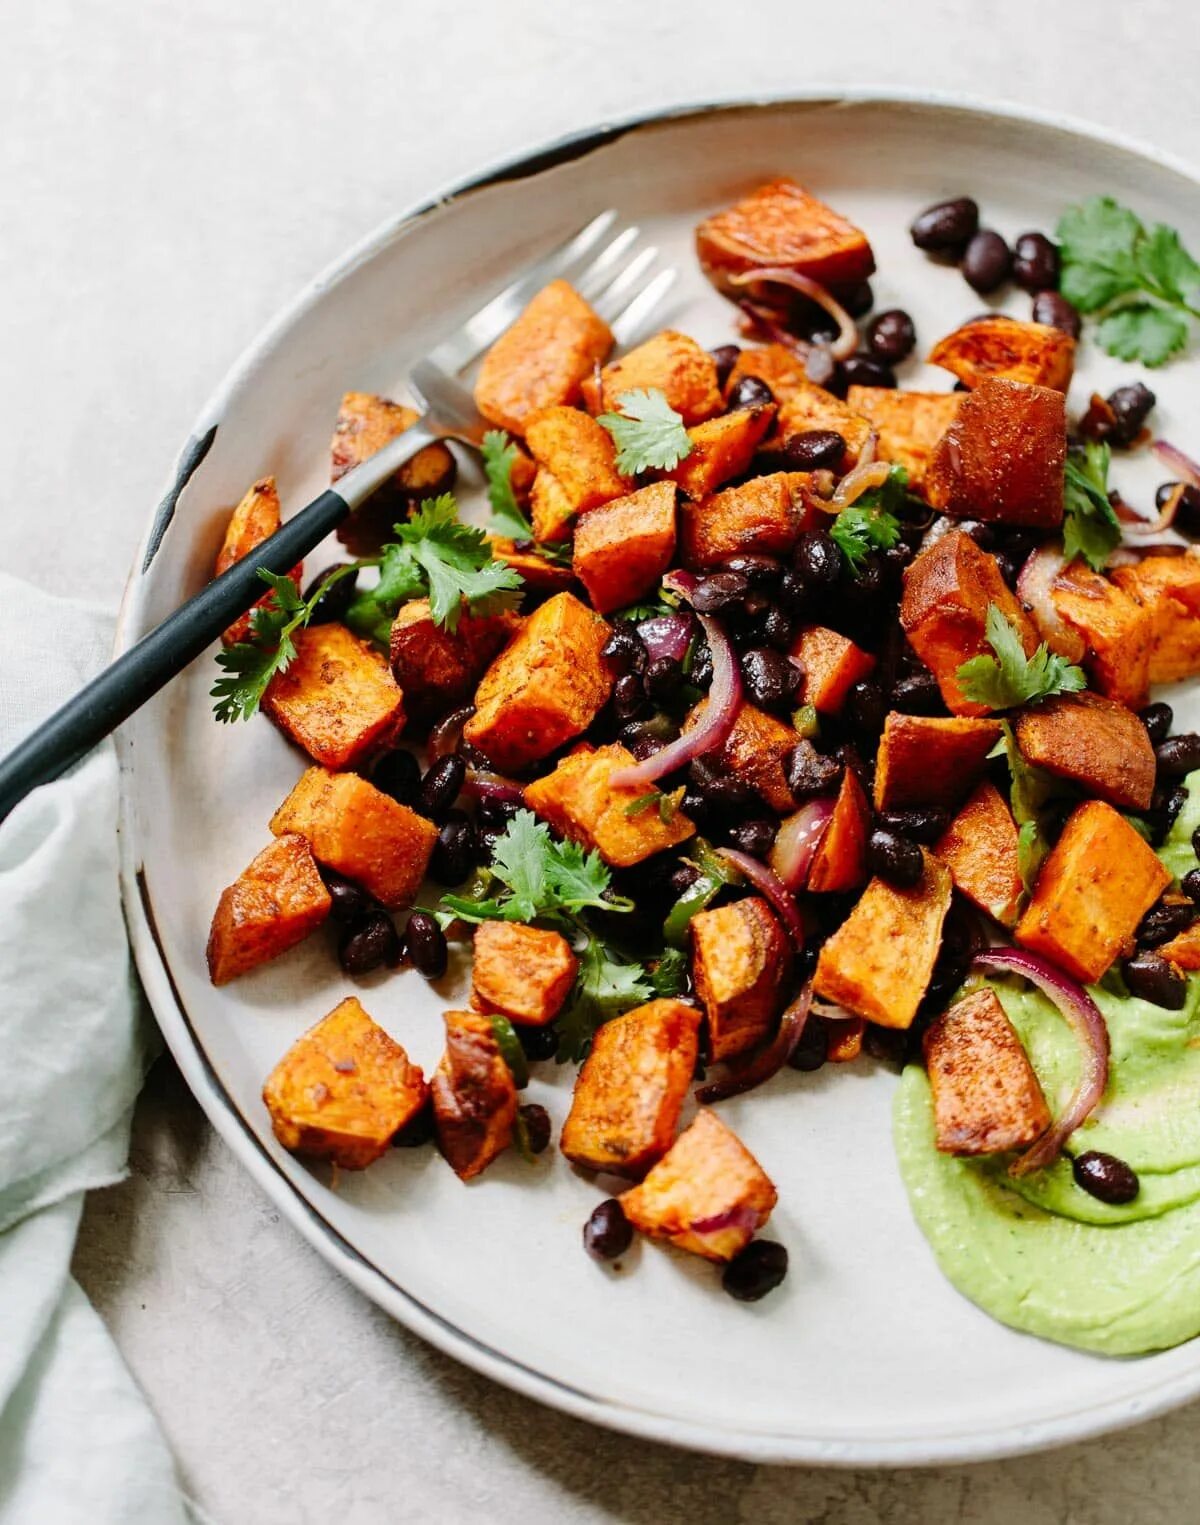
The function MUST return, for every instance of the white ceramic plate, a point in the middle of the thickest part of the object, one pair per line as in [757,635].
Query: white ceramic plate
[865,1355]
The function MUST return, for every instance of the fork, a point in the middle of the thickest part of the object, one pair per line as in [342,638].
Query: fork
[611,272]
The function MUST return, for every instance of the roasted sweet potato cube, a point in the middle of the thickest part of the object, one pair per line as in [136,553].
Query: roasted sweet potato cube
[1007,347]
[579,454]
[909,424]
[343,1090]
[783,224]
[365,423]
[930,760]
[808,406]
[764,516]
[631,1089]
[580,801]
[1095,742]
[546,686]
[1003,456]
[947,590]
[360,832]
[832,665]
[721,448]
[840,861]
[878,963]
[270,907]
[525,973]
[1168,588]
[708,1194]
[474,1095]
[1117,630]
[550,510]
[980,848]
[255,519]
[438,669]
[1183,950]
[1096,885]
[986,1097]
[843,1038]
[671,363]
[623,548]
[542,359]
[337,699]
[540,575]
[741,963]
[754,752]
[772,363]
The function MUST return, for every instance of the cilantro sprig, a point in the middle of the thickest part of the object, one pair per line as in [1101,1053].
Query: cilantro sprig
[648,433]
[1143,283]
[499,453]
[870,523]
[1091,528]
[1010,677]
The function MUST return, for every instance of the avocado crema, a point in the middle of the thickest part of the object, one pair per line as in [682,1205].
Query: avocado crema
[1039,1253]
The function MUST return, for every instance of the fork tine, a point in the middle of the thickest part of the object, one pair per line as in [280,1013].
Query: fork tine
[631,325]
[608,263]
[486,325]
[619,292]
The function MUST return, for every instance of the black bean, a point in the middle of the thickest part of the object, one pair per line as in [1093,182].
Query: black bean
[663,677]
[795,594]
[426,944]
[891,336]
[1053,309]
[628,696]
[537,1126]
[917,694]
[867,371]
[771,679]
[946,227]
[755,1271]
[350,902]
[809,772]
[718,590]
[644,745]
[1105,1177]
[486,838]
[701,674]
[759,571]
[418,1130]
[824,371]
[454,851]
[894,858]
[725,358]
[1158,718]
[817,559]
[888,1044]
[1155,979]
[857,298]
[1190,884]
[755,836]
[1035,263]
[684,874]
[719,788]
[813,450]
[398,774]
[624,651]
[1131,407]
[812,1050]
[332,605]
[1187,510]
[496,814]
[366,944]
[1169,799]
[537,1042]
[987,262]
[1178,755]
[442,785]
[1196,841]
[608,1232]
[778,628]
[750,392]
[1164,921]
[866,707]
[923,823]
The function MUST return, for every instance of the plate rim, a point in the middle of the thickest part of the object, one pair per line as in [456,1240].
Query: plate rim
[1078,1423]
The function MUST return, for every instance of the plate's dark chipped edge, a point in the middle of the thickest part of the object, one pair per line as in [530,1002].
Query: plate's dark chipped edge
[193,453]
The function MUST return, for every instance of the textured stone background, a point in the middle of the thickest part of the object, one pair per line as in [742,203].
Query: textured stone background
[169,174]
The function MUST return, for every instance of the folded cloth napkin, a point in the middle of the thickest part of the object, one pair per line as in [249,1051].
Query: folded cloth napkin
[77,1440]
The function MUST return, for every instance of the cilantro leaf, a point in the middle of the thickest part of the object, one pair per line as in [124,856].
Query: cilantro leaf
[605,986]
[580,881]
[1010,677]
[519,863]
[1032,789]
[543,878]
[1145,332]
[648,433]
[499,453]
[861,528]
[1091,528]
[668,975]
[1165,266]
[1096,243]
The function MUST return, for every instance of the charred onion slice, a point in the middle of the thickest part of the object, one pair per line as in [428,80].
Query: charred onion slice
[847,337]
[772,889]
[1182,465]
[1035,588]
[864,478]
[797,841]
[767,1061]
[446,735]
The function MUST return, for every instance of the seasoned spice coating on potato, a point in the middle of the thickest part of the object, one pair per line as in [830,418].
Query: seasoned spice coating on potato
[764,516]
[808,406]
[781,223]
[754,753]
[1096,743]
[523,972]
[360,832]
[741,963]
[580,455]
[840,861]
[909,424]
[365,423]
[474,1095]
[671,363]
[980,847]
[255,519]
[337,698]
[625,825]
[270,907]
[439,669]
[832,665]
[986,1097]
[772,363]
[930,759]
[344,1090]
[708,1194]
[721,448]
[1168,588]
[1117,630]
[622,549]
[1009,348]
[629,1094]
[539,575]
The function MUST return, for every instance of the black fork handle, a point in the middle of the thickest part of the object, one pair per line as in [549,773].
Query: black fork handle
[124,687]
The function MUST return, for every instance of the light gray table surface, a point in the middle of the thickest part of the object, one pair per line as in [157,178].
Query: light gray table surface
[169,175]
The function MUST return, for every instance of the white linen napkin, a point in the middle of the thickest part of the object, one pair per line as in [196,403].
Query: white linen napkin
[77,1440]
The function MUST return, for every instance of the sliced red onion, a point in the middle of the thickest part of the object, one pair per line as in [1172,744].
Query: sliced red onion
[666,635]
[491,786]
[767,1061]
[797,841]
[772,889]
[864,478]
[446,735]
[1174,459]
[681,582]
[759,322]
[715,723]
[847,337]
[740,1217]
[1035,589]
[1084,1018]
[832,1012]
[866,456]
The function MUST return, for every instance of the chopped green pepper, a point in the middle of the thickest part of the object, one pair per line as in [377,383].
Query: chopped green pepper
[714,875]
[510,1049]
